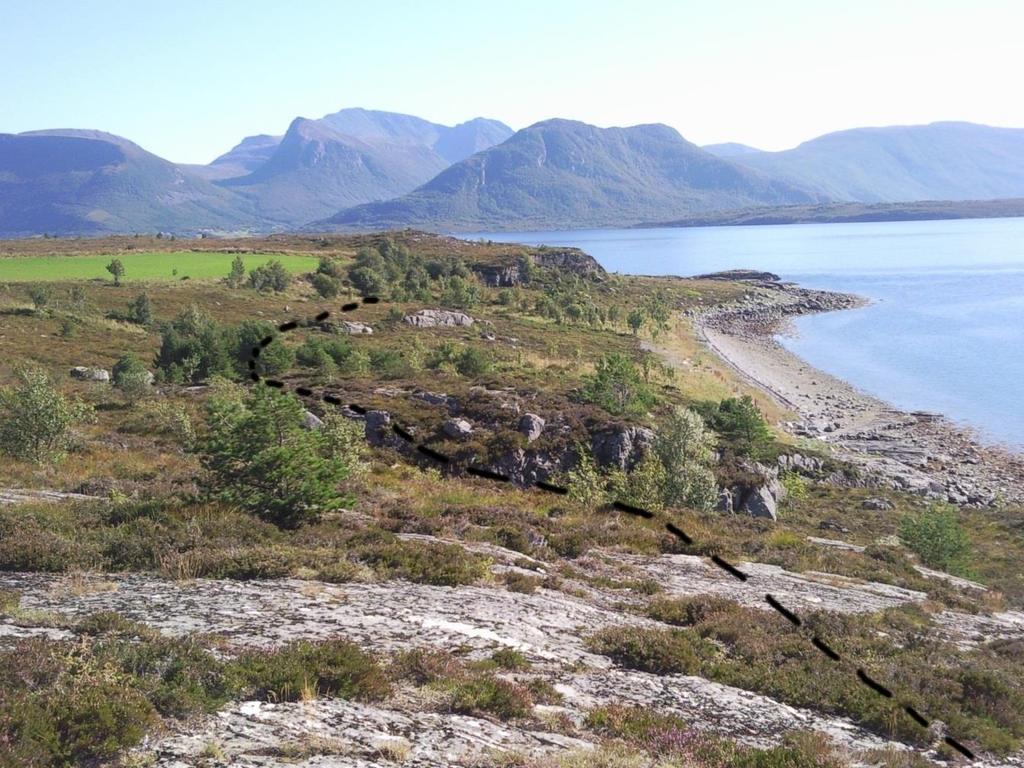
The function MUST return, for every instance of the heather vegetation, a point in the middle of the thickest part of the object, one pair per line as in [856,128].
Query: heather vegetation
[185,469]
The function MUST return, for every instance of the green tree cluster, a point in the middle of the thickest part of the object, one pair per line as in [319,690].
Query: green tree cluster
[261,458]
[617,386]
[740,424]
[271,276]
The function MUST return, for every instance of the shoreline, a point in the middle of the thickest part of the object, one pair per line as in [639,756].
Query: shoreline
[920,452]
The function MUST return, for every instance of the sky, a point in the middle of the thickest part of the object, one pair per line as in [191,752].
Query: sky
[188,79]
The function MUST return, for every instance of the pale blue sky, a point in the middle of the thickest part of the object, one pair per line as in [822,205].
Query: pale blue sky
[188,79]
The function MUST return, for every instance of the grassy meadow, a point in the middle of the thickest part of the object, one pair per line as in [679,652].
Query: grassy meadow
[140,266]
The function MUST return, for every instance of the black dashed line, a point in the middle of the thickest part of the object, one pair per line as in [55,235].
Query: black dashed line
[959,747]
[407,436]
[917,716]
[676,531]
[435,455]
[488,474]
[731,569]
[823,647]
[877,687]
[551,488]
[791,617]
[629,509]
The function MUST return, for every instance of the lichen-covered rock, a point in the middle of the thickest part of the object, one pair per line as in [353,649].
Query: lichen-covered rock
[622,447]
[531,426]
[84,373]
[457,429]
[311,421]
[433,318]
[760,503]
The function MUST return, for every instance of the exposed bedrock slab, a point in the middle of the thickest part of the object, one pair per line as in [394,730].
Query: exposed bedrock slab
[346,734]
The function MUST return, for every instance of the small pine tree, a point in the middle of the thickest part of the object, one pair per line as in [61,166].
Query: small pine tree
[261,458]
[131,377]
[116,268]
[635,319]
[140,311]
[236,277]
[41,296]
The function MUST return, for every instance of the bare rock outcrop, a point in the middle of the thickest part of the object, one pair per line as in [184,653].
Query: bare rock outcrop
[621,447]
[433,318]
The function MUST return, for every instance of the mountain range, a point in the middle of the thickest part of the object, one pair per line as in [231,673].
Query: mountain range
[365,169]
[563,173]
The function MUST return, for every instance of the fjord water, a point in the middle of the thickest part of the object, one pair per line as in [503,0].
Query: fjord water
[944,331]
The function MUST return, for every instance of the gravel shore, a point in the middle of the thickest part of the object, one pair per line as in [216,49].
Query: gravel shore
[920,452]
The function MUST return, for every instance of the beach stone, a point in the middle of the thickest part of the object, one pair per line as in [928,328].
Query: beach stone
[531,425]
[433,318]
[457,428]
[84,373]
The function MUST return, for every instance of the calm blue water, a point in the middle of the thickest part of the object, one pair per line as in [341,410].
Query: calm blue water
[945,332]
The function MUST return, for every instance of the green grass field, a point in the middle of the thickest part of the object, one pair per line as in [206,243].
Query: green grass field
[165,265]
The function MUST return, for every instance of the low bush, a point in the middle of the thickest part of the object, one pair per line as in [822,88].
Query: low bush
[937,537]
[301,670]
[658,651]
[444,565]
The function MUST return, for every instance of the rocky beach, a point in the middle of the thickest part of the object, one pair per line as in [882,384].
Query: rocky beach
[920,452]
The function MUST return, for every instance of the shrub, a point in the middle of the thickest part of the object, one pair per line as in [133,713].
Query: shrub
[236,277]
[192,348]
[739,422]
[658,651]
[460,293]
[586,484]
[684,448]
[325,285]
[273,360]
[131,377]
[331,668]
[36,419]
[140,311]
[116,268]
[444,565]
[472,362]
[938,538]
[41,296]
[487,694]
[65,707]
[261,458]
[617,387]
[367,281]
[272,276]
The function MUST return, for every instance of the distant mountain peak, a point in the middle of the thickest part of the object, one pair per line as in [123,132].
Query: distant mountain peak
[564,173]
